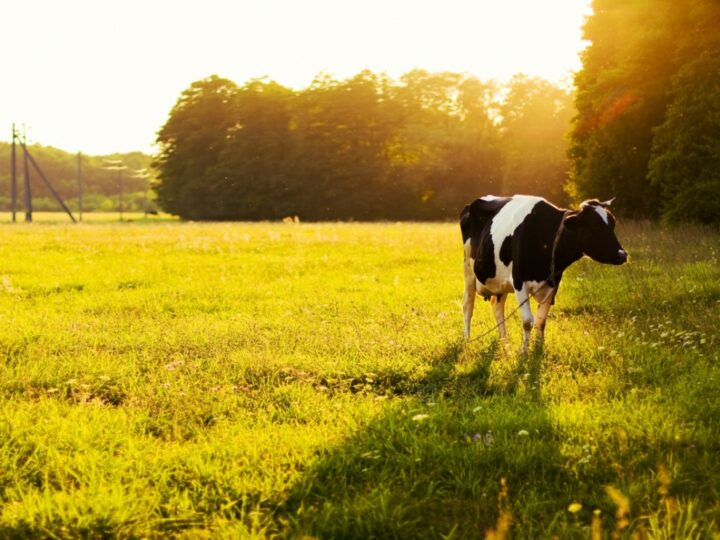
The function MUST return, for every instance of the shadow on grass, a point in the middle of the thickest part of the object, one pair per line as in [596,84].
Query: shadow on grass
[431,465]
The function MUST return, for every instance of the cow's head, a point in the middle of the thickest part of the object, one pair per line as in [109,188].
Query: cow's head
[594,227]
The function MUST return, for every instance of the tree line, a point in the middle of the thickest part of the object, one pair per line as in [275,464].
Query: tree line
[642,123]
[647,126]
[101,186]
[364,148]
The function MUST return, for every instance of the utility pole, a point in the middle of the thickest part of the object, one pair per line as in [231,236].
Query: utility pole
[117,165]
[28,195]
[120,181]
[80,185]
[143,174]
[13,177]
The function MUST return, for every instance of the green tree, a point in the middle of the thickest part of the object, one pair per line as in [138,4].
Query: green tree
[536,118]
[363,148]
[191,143]
[253,165]
[622,94]
[341,132]
[448,148]
[685,164]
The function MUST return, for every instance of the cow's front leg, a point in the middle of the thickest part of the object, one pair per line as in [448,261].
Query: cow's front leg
[523,299]
[498,304]
[541,318]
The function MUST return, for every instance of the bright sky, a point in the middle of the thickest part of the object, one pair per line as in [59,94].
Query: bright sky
[101,76]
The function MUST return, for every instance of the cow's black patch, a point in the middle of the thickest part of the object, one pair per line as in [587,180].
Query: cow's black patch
[485,266]
[475,221]
[506,251]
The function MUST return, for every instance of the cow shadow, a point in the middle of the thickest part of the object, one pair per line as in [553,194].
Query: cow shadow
[434,462]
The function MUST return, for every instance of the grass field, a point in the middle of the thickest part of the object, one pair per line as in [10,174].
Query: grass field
[258,380]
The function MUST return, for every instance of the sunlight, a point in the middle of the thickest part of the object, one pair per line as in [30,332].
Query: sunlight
[98,78]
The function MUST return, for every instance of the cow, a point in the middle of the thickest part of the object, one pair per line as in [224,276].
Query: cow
[523,244]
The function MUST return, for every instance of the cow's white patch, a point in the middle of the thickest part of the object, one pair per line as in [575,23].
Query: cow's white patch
[509,217]
[601,212]
[503,225]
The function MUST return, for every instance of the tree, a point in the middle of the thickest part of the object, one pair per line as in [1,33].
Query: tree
[447,149]
[535,121]
[191,143]
[622,95]
[341,135]
[253,165]
[685,163]
[363,148]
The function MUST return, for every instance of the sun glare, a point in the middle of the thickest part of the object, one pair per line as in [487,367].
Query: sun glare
[102,77]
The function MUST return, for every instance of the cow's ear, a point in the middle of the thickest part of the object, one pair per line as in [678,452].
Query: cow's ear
[572,222]
[607,203]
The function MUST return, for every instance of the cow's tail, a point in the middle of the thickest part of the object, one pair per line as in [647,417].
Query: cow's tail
[465,223]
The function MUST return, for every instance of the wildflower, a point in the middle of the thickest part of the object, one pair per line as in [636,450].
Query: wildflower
[574,508]
[420,417]
[523,433]
[488,439]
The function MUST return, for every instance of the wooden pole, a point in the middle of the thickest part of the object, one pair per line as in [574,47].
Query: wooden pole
[80,186]
[13,177]
[26,170]
[121,193]
[48,184]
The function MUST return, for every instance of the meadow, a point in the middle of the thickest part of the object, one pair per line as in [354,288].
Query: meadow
[233,380]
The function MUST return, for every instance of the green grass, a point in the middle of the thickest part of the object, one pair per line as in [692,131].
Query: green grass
[256,380]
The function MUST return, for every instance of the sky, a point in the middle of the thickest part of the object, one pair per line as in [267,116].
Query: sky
[101,76]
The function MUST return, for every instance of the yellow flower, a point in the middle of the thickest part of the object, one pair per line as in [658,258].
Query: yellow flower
[574,508]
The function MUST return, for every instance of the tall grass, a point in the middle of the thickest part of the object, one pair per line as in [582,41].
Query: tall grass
[258,380]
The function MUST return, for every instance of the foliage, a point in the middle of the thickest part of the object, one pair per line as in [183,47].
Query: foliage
[244,380]
[646,125]
[101,187]
[686,147]
[364,148]
[535,118]
[193,139]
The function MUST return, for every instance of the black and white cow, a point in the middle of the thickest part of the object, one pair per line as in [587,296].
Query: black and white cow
[514,244]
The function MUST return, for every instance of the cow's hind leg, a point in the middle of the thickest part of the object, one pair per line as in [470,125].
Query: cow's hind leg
[470,289]
[498,304]
[523,299]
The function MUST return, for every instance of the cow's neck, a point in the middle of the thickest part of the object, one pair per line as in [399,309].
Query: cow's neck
[567,251]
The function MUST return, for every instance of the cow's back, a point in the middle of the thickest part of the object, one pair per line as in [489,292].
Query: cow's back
[478,215]
[510,217]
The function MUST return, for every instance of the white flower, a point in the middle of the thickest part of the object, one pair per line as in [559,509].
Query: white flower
[420,417]
[523,433]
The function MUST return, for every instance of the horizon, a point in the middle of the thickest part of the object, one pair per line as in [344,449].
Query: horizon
[102,80]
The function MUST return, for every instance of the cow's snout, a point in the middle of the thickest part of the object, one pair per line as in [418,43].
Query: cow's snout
[622,257]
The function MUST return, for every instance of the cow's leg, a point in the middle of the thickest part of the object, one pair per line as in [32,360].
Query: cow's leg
[498,304]
[541,316]
[470,288]
[523,299]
